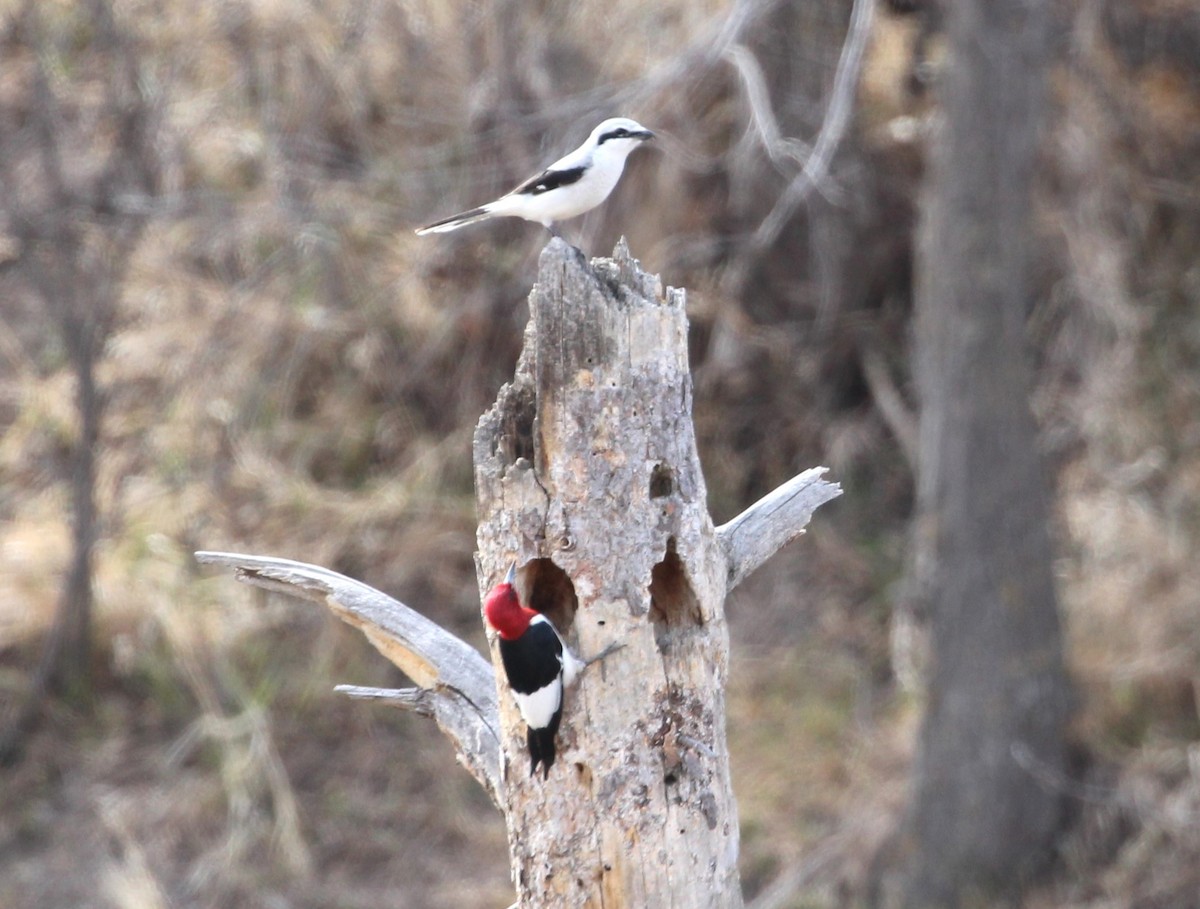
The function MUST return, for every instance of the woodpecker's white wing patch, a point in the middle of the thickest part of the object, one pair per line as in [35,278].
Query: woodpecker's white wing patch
[538,709]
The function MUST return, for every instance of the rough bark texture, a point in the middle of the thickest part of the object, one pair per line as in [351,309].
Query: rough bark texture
[587,474]
[998,694]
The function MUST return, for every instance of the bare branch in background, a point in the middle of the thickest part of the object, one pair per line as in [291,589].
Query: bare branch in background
[778,147]
[837,117]
[892,407]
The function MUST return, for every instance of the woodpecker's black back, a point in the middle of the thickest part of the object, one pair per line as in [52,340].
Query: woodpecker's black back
[533,662]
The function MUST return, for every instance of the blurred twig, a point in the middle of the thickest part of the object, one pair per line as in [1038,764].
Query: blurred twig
[75,231]
[250,762]
[837,117]
[900,419]
[779,148]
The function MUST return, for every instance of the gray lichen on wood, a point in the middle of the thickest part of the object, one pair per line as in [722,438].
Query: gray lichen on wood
[587,476]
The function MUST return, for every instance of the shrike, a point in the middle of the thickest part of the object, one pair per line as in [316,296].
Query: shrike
[572,185]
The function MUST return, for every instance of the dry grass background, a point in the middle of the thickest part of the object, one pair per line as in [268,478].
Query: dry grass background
[292,372]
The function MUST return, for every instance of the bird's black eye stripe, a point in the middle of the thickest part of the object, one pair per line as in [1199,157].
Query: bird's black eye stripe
[619,133]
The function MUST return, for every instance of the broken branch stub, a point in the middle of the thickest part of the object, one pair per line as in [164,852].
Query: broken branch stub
[773,521]
[455,684]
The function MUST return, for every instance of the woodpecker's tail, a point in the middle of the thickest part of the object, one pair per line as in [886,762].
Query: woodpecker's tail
[454,222]
[541,749]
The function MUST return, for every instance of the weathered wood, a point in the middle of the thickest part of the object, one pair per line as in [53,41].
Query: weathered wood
[457,684]
[773,521]
[587,474]
[418,700]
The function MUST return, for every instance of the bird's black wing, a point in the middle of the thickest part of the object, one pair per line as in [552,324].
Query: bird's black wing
[548,180]
[532,663]
[524,663]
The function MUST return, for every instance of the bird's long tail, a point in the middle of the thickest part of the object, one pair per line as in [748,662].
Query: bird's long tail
[454,222]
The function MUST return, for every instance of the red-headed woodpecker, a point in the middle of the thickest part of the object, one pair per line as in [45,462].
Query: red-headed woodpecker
[538,664]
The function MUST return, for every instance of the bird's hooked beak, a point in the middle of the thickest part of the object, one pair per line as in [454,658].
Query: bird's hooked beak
[645,135]
[511,577]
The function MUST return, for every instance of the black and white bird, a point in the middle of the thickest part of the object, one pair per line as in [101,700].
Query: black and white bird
[572,185]
[539,666]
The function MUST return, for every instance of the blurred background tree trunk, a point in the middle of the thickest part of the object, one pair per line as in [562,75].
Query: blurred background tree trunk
[289,369]
[74,229]
[69,651]
[998,695]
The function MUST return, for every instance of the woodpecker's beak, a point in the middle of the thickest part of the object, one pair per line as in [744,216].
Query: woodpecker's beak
[511,577]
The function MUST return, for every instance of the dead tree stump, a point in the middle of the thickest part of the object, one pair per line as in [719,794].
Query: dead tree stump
[587,477]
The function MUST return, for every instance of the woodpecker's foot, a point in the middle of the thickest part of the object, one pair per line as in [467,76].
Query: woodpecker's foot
[607,651]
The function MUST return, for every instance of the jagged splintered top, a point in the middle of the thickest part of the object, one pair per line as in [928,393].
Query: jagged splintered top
[605,321]
[622,270]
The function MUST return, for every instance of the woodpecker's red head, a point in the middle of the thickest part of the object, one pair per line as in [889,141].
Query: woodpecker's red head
[503,610]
